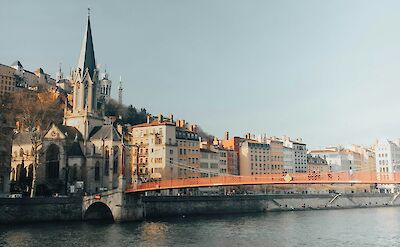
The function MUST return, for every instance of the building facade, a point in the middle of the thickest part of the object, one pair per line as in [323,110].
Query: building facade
[387,160]
[155,151]
[166,149]
[316,164]
[84,153]
[255,159]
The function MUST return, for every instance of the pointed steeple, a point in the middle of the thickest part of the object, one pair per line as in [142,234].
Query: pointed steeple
[120,91]
[86,57]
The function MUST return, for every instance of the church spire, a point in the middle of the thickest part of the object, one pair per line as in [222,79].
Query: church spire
[120,91]
[86,57]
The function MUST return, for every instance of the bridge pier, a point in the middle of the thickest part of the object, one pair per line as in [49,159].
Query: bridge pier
[115,205]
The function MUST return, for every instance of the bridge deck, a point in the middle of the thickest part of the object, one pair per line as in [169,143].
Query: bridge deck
[296,178]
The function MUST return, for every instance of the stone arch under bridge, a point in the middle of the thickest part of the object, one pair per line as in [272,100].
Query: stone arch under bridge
[98,211]
[112,205]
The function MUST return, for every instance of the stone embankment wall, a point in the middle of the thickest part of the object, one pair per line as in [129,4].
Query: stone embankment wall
[133,207]
[167,206]
[19,210]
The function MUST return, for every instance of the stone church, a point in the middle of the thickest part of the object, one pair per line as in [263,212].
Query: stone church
[86,153]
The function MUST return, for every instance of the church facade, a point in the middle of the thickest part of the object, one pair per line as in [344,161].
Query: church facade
[84,154]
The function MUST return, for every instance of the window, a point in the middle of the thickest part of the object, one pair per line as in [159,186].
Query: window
[106,162]
[97,172]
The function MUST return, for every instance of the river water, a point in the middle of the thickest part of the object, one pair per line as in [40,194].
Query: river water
[345,227]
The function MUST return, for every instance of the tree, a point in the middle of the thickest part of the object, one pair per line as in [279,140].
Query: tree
[125,114]
[33,112]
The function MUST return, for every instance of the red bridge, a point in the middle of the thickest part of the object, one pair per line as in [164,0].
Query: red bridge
[296,178]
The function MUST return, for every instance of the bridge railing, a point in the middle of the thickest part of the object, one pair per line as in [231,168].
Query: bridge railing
[296,178]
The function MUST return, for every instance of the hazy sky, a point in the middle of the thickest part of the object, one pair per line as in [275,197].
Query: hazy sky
[327,71]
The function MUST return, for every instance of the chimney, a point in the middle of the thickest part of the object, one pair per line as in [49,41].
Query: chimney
[171,118]
[148,118]
[181,123]
[193,127]
[215,141]
[160,118]
[226,135]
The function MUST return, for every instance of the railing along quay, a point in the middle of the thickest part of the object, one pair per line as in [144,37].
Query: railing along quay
[296,178]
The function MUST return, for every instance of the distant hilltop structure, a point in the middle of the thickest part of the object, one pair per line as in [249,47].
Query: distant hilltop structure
[16,77]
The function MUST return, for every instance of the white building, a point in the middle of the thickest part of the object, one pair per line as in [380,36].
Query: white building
[336,158]
[288,160]
[295,155]
[387,160]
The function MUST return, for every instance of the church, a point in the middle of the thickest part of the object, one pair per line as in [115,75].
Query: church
[85,154]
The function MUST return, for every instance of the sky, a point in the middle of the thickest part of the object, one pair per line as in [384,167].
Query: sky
[325,71]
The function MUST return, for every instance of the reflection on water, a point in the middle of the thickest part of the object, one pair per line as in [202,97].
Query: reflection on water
[353,227]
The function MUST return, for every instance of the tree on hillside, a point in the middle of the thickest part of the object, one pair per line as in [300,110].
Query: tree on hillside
[125,114]
[33,111]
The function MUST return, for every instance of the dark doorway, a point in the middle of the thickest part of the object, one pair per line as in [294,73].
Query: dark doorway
[53,162]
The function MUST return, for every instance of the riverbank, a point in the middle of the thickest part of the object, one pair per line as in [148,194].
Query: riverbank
[46,209]
[170,206]
[137,208]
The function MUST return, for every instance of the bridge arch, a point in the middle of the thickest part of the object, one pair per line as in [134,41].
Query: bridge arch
[98,211]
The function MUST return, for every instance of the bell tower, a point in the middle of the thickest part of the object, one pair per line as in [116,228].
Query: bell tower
[84,114]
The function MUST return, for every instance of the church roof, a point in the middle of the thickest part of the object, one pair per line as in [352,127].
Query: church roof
[70,132]
[105,132]
[75,150]
[86,57]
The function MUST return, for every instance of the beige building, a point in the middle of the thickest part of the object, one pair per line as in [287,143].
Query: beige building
[154,151]
[367,157]
[15,77]
[355,158]
[255,158]
[214,153]
[7,79]
[188,142]
[166,149]
[209,163]
[276,155]
[316,164]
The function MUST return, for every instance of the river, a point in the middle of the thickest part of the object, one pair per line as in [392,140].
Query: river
[345,227]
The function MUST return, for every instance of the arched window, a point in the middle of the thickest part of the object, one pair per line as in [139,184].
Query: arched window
[115,162]
[21,152]
[97,171]
[52,162]
[106,161]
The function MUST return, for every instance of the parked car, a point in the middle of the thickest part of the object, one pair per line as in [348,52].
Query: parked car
[15,196]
